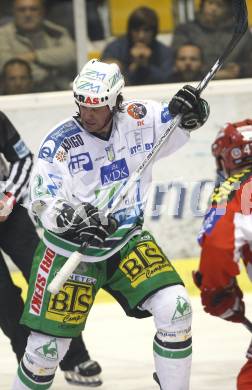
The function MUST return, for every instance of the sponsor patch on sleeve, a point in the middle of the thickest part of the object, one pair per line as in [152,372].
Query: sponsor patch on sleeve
[137,110]
[55,139]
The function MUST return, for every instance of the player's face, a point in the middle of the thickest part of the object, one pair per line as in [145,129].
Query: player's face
[96,120]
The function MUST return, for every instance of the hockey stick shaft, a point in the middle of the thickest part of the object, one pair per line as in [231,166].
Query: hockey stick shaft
[240,12]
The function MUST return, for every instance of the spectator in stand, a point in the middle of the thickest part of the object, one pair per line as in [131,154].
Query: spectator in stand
[211,30]
[17,77]
[47,47]
[188,64]
[141,56]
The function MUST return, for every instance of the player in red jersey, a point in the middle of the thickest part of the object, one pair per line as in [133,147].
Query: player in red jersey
[226,234]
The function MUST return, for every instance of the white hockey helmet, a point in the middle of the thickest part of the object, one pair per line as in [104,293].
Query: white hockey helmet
[98,84]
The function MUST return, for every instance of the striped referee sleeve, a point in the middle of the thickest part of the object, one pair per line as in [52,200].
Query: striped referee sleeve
[18,179]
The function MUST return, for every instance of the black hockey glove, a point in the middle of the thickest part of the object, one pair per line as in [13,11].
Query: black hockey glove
[193,108]
[84,223]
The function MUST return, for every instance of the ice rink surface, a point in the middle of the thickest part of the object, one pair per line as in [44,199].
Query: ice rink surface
[123,346]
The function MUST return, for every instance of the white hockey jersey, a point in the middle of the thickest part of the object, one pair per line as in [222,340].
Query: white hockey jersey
[77,166]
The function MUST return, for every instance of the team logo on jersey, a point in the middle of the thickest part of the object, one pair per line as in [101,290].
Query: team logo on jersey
[61,156]
[55,139]
[80,162]
[137,110]
[21,149]
[110,152]
[116,171]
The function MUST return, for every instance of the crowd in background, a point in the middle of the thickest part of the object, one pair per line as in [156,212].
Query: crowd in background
[38,52]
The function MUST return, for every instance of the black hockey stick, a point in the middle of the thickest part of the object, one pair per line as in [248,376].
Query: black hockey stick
[240,27]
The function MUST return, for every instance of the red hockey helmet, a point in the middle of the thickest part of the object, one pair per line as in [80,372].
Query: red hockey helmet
[233,145]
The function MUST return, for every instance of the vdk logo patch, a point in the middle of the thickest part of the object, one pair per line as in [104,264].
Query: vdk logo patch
[116,171]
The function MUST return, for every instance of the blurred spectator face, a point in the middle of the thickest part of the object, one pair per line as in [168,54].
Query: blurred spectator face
[188,61]
[143,35]
[17,79]
[28,14]
[215,11]
[142,26]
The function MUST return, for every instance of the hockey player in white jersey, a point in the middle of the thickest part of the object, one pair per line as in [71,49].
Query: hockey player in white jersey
[81,164]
